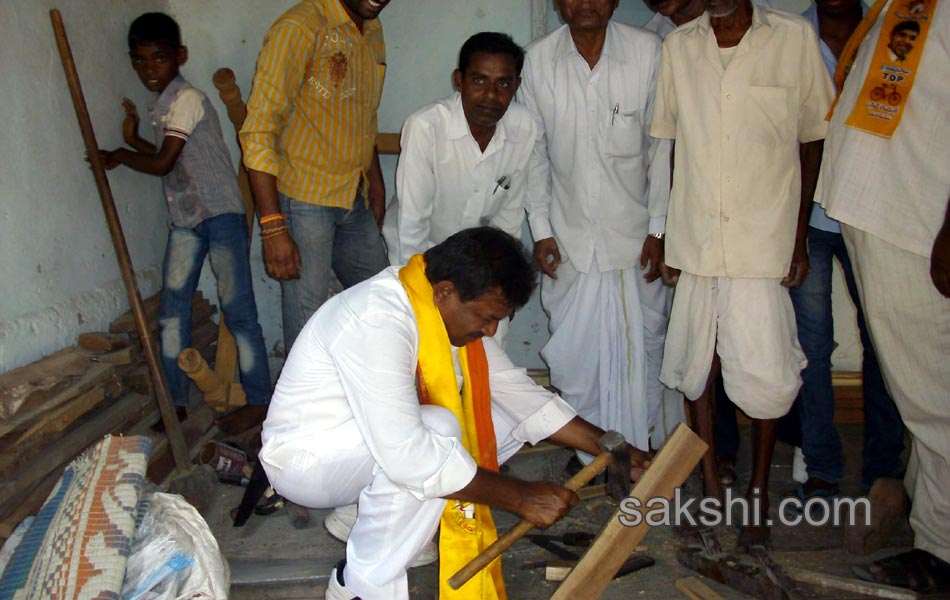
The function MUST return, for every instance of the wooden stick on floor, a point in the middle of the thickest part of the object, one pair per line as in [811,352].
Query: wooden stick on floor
[670,468]
[175,438]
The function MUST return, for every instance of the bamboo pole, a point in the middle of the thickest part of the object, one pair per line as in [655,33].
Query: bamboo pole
[176,439]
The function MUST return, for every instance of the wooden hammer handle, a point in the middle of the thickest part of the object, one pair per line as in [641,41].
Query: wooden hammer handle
[517,532]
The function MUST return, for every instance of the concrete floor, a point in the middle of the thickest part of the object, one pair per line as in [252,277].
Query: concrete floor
[269,547]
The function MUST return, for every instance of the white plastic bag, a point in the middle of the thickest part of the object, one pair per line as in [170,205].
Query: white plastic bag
[174,556]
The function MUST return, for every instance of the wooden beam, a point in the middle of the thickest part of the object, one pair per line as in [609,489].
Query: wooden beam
[387,143]
[694,589]
[847,584]
[670,468]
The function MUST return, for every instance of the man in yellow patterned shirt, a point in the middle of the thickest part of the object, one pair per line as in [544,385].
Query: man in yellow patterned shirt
[309,147]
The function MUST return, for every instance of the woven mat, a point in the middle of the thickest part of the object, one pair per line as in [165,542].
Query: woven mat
[79,543]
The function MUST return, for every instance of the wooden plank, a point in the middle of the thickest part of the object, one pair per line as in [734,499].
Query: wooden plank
[102,340]
[557,570]
[61,418]
[125,356]
[670,468]
[30,505]
[95,374]
[25,479]
[846,584]
[387,143]
[592,491]
[125,323]
[694,589]
[33,384]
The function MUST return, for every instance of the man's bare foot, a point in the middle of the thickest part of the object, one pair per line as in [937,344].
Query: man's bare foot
[759,531]
[727,470]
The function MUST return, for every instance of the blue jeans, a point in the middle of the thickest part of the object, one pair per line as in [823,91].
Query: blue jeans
[224,239]
[330,240]
[883,428]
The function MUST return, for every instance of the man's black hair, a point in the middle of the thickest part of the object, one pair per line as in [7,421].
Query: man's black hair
[491,42]
[906,26]
[154,28]
[480,259]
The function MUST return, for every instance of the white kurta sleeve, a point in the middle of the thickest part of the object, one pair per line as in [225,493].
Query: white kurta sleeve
[415,189]
[664,103]
[658,155]
[538,412]
[817,91]
[537,196]
[376,360]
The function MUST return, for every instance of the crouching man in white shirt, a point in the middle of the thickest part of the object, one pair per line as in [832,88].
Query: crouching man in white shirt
[464,157]
[388,394]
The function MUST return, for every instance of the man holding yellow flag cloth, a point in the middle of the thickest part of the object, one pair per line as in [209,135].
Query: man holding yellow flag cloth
[391,398]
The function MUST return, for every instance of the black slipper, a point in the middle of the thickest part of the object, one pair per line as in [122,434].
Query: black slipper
[917,569]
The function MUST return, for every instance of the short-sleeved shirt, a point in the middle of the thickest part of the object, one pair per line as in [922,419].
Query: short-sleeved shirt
[737,182]
[203,182]
[446,183]
[311,117]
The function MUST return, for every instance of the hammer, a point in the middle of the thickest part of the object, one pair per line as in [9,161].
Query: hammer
[614,457]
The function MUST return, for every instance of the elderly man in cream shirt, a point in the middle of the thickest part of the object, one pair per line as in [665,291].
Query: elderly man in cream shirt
[750,83]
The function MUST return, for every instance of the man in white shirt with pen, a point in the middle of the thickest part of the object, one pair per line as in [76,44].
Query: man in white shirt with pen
[464,158]
[597,197]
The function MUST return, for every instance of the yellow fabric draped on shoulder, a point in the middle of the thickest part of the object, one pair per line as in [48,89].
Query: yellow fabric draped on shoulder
[466,528]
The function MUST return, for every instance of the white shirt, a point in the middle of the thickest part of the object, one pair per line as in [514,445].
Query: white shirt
[737,182]
[598,183]
[445,183]
[896,189]
[356,359]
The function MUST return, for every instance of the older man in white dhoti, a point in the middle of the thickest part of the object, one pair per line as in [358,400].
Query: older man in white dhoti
[596,199]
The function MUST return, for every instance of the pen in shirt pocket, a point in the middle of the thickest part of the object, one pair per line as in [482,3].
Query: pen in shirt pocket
[504,182]
[613,115]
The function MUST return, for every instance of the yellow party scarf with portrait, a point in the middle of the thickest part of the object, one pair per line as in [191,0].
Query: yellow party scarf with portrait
[466,528]
[894,65]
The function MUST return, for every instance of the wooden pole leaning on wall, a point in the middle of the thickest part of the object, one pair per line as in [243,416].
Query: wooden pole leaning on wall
[176,439]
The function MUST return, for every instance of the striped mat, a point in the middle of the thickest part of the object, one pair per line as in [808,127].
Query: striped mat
[78,545]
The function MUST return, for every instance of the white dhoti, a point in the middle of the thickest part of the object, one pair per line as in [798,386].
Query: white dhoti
[606,349]
[393,525]
[909,322]
[750,323]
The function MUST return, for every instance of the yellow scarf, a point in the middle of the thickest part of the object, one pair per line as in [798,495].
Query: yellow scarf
[888,84]
[466,528]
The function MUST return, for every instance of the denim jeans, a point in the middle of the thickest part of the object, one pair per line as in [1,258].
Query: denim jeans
[330,240]
[883,428]
[224,239]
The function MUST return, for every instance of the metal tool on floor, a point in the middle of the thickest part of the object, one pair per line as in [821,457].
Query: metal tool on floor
[752,573]
[557,570]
